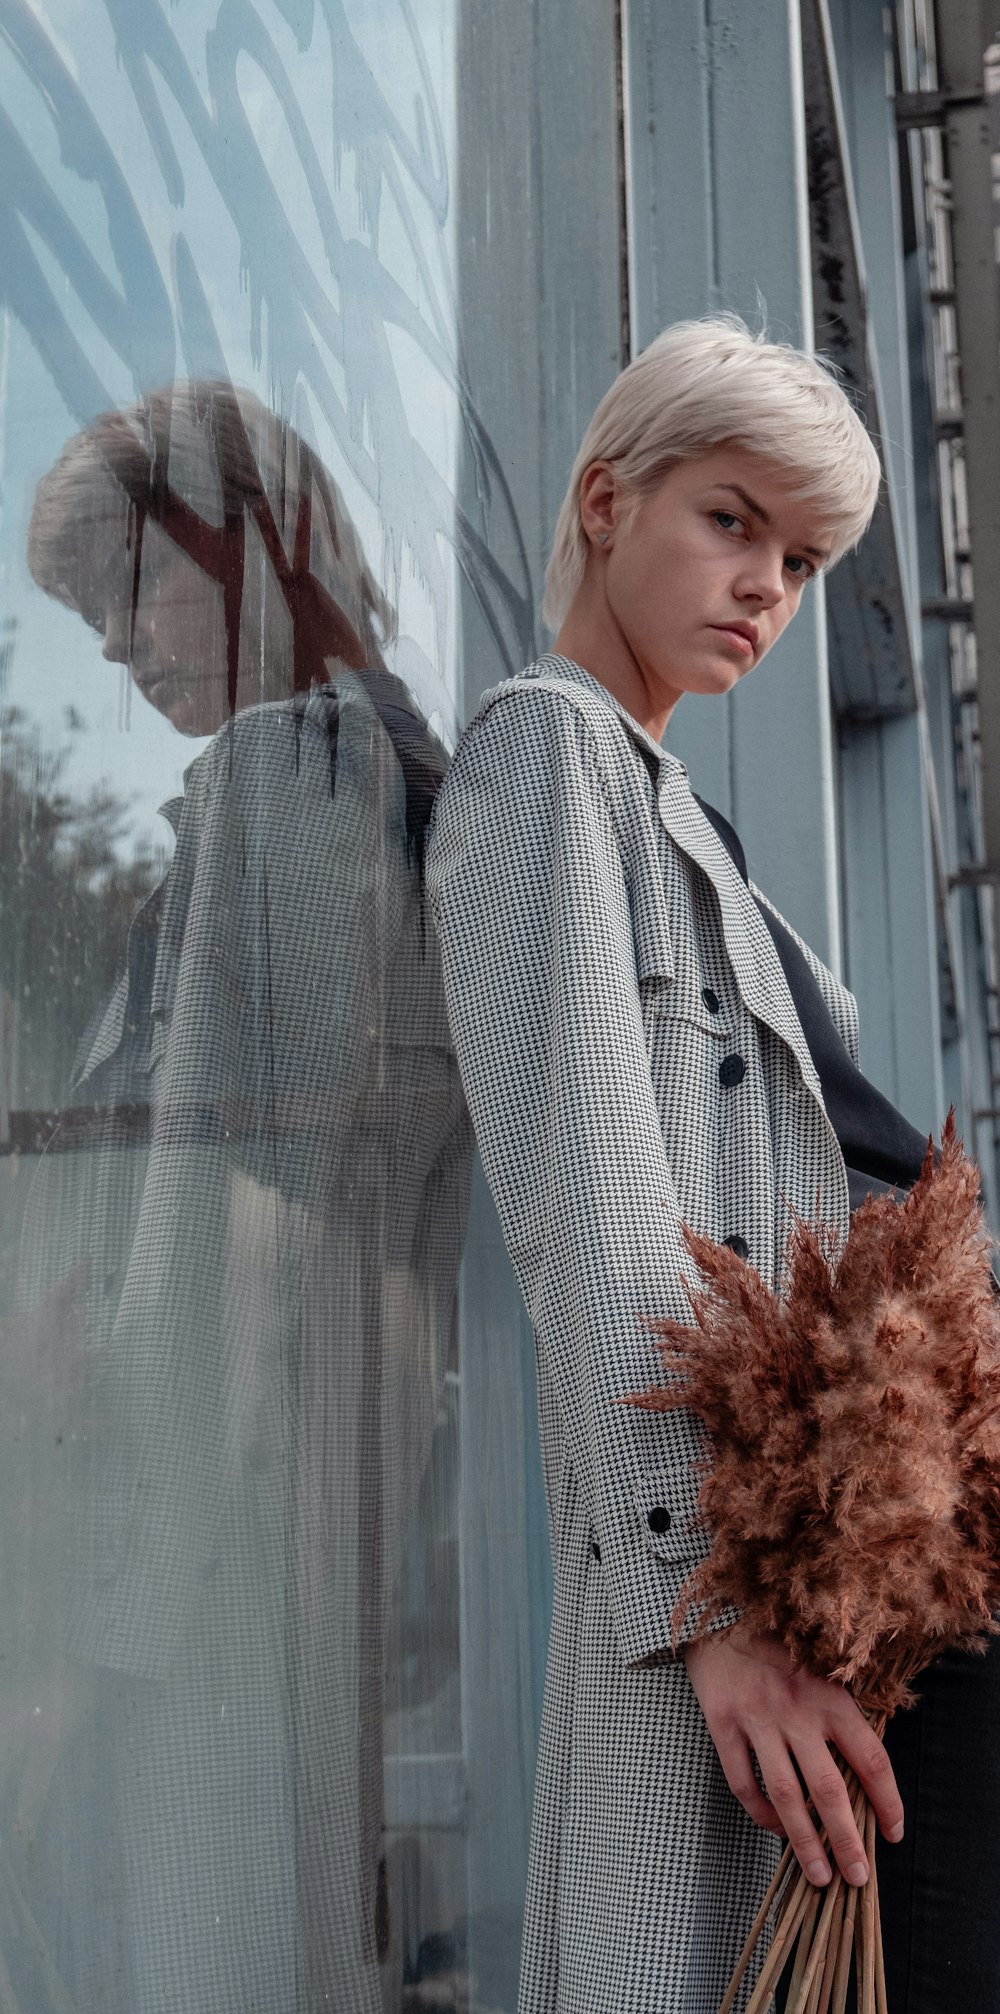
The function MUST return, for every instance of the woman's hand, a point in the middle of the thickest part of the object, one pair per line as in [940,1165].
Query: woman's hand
[752,1700]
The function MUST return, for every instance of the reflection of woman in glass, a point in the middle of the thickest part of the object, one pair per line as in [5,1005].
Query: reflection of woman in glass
[271,1272]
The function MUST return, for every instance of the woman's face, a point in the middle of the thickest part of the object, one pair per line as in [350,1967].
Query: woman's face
[719,542]
[178,654]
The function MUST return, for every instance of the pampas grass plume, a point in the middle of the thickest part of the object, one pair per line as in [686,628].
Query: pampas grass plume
[853,1487]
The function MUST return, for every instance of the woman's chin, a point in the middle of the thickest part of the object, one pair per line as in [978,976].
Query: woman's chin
[713,679]
[191,712]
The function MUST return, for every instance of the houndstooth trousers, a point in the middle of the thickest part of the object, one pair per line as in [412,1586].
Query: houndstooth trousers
[632,1058]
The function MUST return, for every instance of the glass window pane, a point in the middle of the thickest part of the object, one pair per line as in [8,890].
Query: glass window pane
[282,289]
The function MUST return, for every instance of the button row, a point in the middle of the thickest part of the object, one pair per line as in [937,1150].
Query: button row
[732,1070]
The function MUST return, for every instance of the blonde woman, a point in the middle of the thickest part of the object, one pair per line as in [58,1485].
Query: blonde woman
[643,1040]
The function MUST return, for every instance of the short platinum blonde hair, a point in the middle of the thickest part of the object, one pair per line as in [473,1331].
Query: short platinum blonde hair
[711,380]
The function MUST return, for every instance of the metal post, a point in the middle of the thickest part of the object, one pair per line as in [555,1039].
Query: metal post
[963,32]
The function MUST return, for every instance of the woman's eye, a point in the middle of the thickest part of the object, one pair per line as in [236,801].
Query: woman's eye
[802,569]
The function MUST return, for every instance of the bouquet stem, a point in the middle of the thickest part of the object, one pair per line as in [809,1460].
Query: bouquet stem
[782,1943]
[842,1975]
[824,1928]
[756,1927]
[808,1942]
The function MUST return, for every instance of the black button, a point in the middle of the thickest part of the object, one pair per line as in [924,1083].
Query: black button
[659,1518]
[738,1245]
[732,1070]
[711,999]
[596,1550]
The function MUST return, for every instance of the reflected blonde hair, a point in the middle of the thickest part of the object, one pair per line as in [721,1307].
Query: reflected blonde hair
[205,459]
[711,380]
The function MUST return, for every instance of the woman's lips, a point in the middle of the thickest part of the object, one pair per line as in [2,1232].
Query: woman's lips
[182,683]
[743,643]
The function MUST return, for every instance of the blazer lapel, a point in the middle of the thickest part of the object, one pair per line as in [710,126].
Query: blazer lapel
[755,962]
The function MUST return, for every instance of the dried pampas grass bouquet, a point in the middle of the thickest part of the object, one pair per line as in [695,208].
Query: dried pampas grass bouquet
[852,1488]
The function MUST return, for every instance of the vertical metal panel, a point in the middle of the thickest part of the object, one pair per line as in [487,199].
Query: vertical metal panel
[896,954]
[538,287]
[539,276]
[872,669]
[965,1080]
[506,1578]
[865,883]
[669,97]
[859,34]
[890,914]
[962,34]
[718,210]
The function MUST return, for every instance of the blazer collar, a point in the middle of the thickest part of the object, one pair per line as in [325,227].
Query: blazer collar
[752,955]
[551,665]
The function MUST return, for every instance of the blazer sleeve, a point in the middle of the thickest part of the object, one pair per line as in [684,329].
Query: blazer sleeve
[529,886]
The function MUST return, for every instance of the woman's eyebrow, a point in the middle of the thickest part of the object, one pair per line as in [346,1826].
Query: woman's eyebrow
[765,517]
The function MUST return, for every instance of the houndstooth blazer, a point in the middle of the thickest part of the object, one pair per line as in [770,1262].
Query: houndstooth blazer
[632,1058]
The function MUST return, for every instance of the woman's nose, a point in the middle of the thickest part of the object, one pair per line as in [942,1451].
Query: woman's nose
[764,580]
[116,635]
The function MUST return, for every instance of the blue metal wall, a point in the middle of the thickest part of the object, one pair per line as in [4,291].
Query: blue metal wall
[844,792]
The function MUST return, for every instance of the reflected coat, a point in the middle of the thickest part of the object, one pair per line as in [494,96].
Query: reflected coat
[272,1291]
[632,1058]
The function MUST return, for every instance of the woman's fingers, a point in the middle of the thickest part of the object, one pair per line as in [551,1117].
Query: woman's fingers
[862,1749]
[828,1791]
[737,1763]
[785,1792]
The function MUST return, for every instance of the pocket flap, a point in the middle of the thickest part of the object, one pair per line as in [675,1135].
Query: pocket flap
[667,1503]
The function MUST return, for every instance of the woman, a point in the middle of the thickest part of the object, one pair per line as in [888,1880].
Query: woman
[266,1230]
[643,1040]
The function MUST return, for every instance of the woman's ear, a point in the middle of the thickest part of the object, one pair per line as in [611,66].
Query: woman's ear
[599,498]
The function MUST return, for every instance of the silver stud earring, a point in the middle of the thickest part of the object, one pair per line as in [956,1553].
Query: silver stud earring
[602,537]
